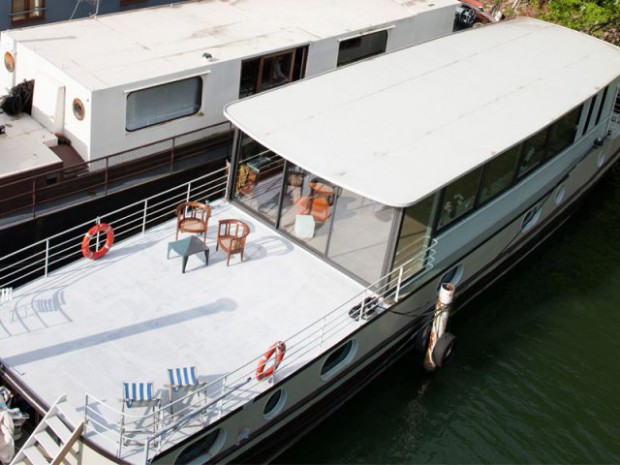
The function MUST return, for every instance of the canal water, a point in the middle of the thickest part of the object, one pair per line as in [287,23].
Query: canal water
[535,377]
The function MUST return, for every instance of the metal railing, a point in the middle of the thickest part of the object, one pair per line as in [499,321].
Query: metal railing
[216,399]
[39,258]
[98,177]
[161,428]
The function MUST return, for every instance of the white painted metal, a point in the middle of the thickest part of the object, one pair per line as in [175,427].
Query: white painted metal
[402,125]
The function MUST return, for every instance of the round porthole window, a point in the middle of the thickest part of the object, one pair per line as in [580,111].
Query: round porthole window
[9,61]
[530,218]
[203,449]
[78,109]
[274,404]
[560,192]
[338,359]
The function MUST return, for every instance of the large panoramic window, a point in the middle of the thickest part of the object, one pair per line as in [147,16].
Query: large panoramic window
[562,133]
[27,10]
[499,173]
[167,102]
[259,178]
[267,72]
[534,152]
[358,48]
[459,198]
[414,236]
[360,232]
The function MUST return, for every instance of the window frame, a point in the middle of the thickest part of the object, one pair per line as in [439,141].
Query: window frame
[348,40]
[30,13]
[199,79]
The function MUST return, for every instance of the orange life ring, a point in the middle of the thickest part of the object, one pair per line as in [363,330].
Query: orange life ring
[279,348]
[109,240]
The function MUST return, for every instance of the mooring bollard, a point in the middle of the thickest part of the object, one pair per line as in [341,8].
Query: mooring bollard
[440,342]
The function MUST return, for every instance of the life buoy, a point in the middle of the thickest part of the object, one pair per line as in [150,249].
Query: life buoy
[279,349]
[109,240]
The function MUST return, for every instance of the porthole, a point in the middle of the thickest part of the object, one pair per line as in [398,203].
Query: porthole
[202,449]
[530,218]
[560,192]
[274,404]
[338,359]
[453,276]
[9,62]
[78,109]
[600,161]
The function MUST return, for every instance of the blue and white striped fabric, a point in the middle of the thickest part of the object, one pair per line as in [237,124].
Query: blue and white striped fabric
[137,392]
[180,377]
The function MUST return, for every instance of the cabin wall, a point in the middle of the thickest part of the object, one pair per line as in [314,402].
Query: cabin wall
[220,85]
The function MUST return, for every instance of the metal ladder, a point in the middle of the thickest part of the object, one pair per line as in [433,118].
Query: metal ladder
[53,437]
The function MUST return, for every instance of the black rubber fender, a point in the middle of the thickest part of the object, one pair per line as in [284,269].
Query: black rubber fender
[420,339]
[444,348]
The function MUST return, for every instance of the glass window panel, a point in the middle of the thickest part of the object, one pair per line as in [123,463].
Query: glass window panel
[307,207]
[414,236]
[163,103]
[276,71]
[534,152]
[562,132]
[459,198]
[360,233]
[358,48]
[259,178]
[498,173]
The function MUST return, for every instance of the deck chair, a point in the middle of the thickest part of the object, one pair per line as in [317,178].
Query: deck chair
[183,378]
[139,394]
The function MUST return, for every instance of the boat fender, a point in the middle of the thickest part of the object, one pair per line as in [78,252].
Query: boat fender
[109,240]
[421,337]
[279,349]
[444,348]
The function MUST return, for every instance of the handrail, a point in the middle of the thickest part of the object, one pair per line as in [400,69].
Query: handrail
[98,175]
[39,258]
[304,346]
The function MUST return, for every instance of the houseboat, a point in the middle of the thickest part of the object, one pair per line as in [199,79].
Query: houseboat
[94,106]
[357,205]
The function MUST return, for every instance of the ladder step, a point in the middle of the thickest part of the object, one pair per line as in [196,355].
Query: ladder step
[34,455]
[47,443]
[59,428]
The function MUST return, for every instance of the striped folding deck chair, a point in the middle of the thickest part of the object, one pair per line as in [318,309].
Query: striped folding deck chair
[184,377]
[134,395]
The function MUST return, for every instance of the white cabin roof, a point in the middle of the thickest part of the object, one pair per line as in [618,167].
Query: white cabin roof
[115,49]
[398,127]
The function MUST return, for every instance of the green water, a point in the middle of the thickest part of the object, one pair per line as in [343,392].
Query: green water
[536,375]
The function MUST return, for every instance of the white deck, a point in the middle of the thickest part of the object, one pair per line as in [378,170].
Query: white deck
[427,113]
[132,314]
[120,48]
[25,146]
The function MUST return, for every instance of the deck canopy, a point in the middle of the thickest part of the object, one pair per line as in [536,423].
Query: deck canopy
[111,50]
[400,126]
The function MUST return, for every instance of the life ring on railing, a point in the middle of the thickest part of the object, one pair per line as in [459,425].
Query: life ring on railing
[279,349]
[109,240]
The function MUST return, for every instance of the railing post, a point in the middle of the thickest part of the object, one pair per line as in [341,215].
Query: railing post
[222,398]
[47,256]
[106,177]
[400,278]
[34,197]
[172,155]
[189,190]
[146,206]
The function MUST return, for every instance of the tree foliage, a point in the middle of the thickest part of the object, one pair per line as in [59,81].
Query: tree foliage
[597,17]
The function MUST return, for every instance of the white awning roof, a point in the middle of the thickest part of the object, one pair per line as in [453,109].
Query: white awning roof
[400,126]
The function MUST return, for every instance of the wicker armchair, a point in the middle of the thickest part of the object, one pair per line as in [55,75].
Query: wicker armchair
[231,235]
[193,217]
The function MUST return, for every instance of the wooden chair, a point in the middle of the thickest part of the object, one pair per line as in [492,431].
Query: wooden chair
[193,217]
[231,235]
